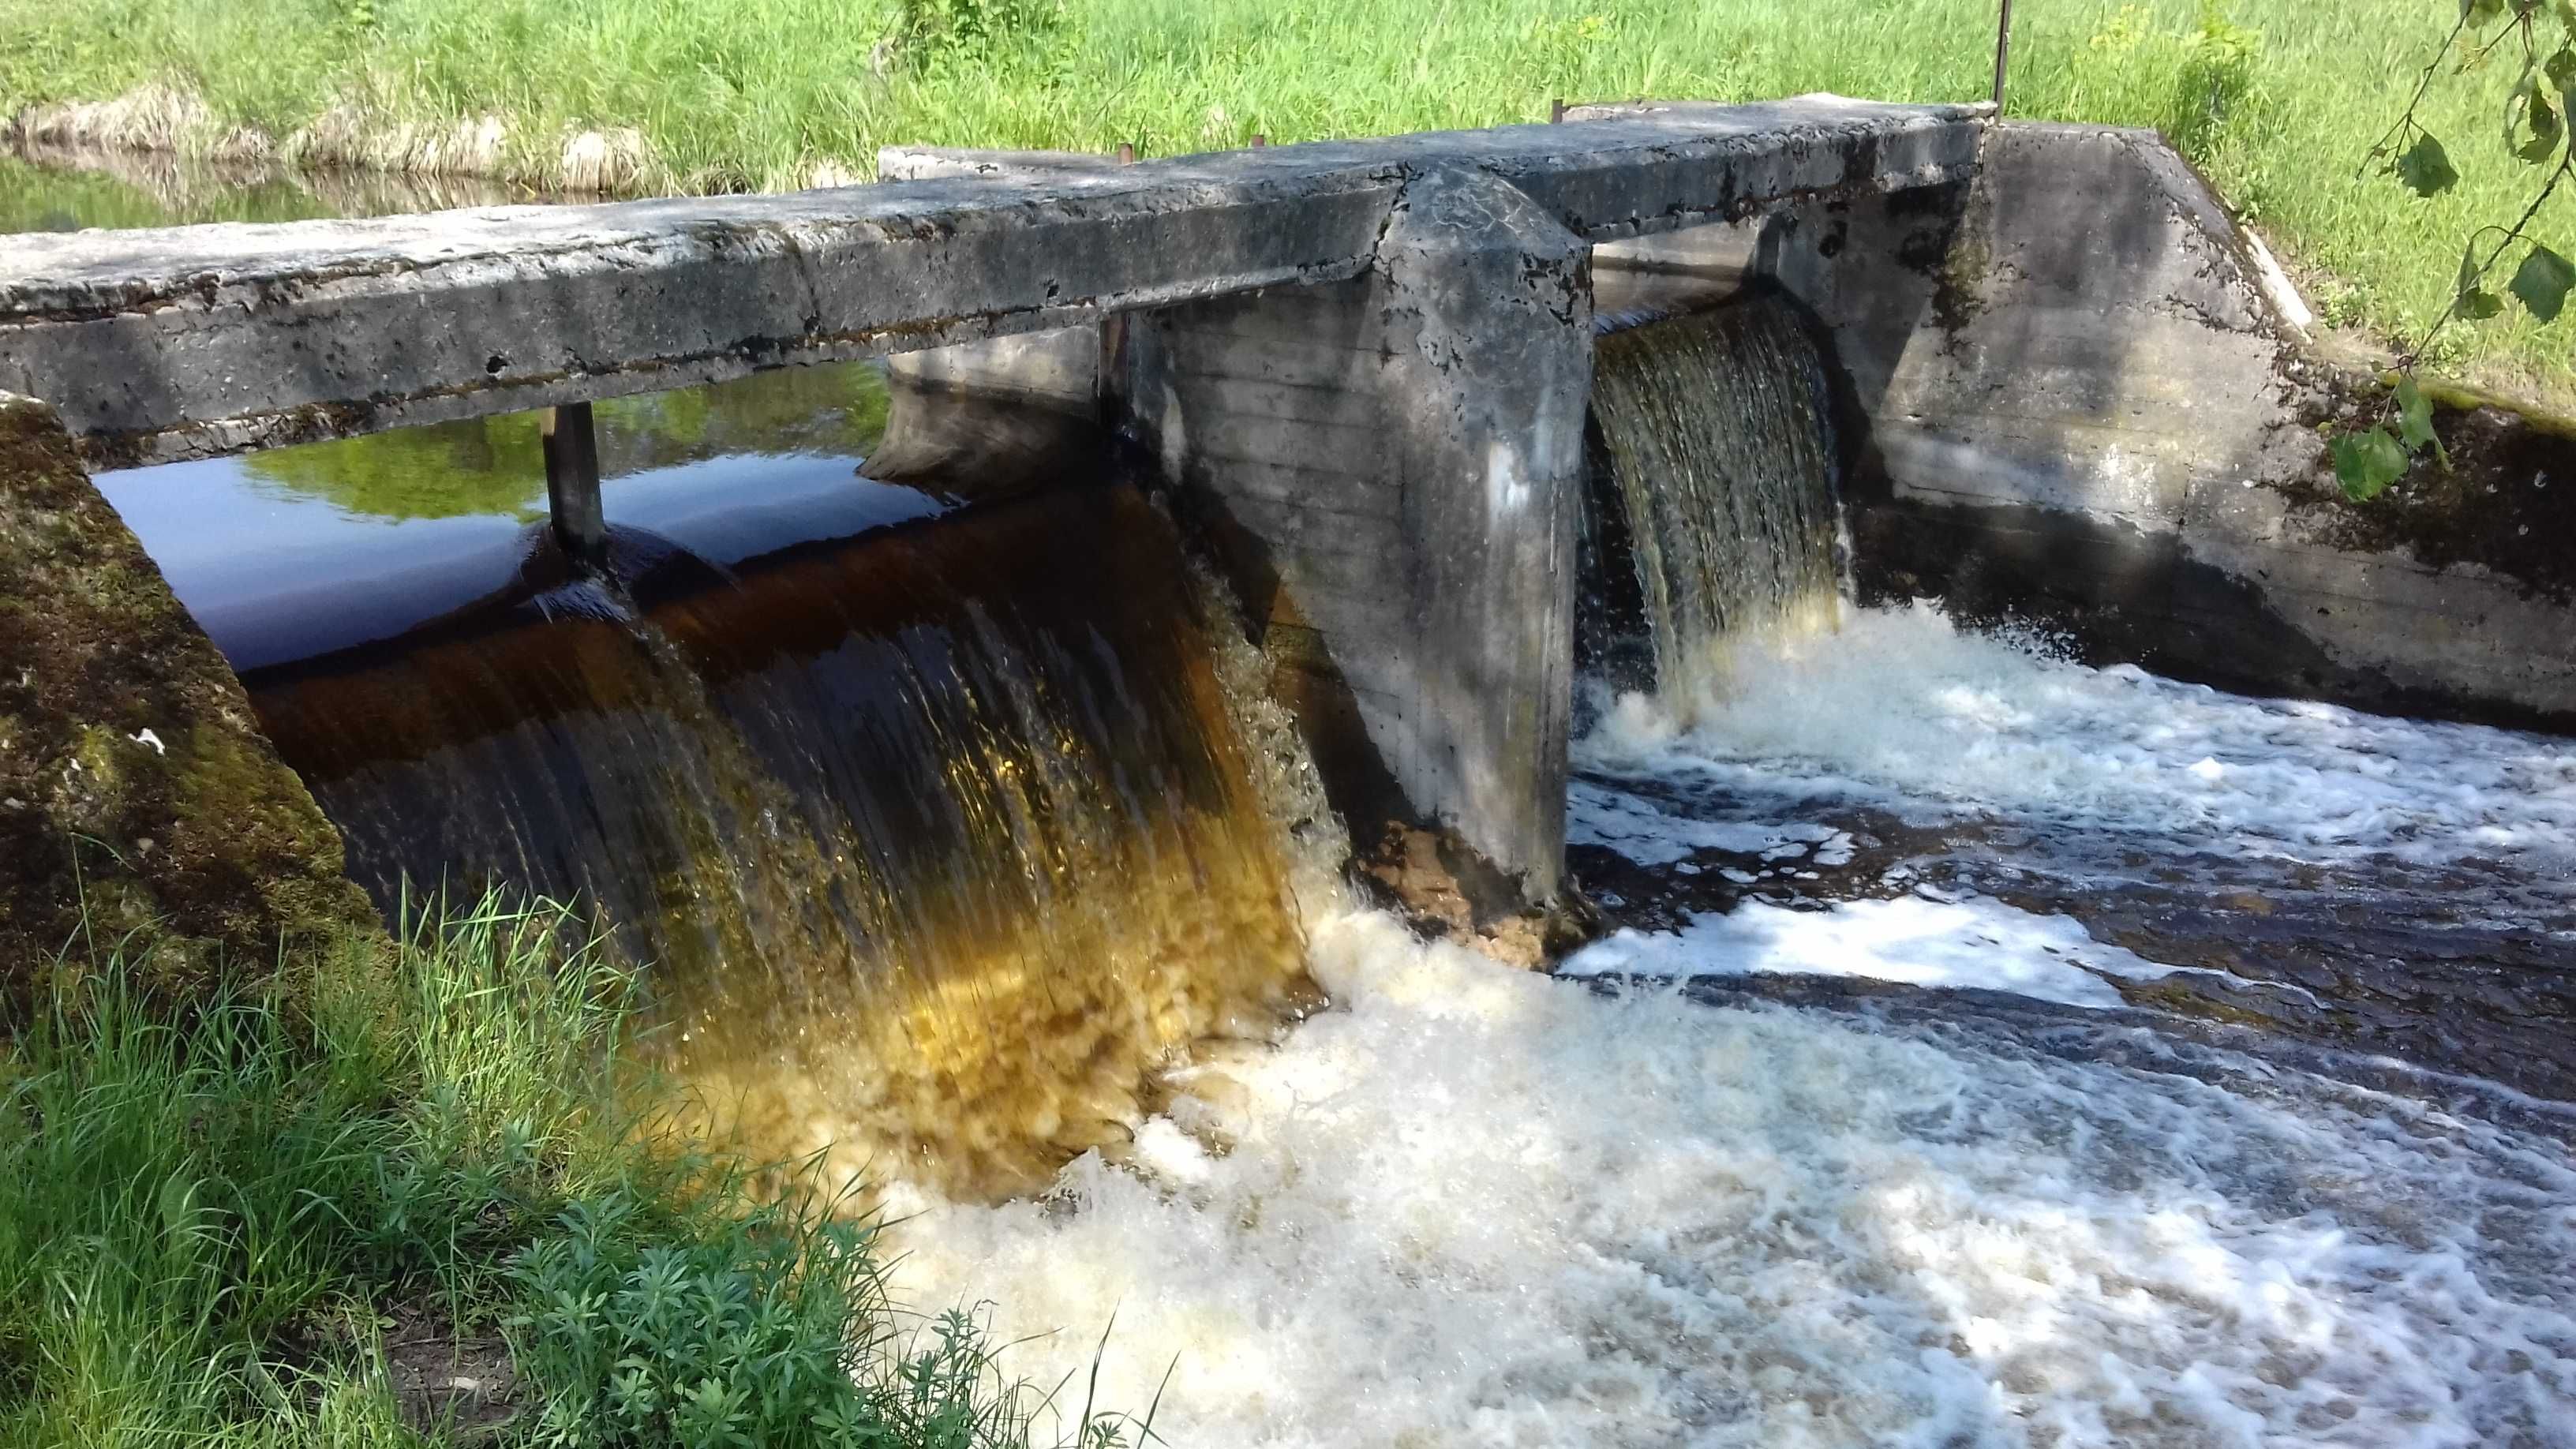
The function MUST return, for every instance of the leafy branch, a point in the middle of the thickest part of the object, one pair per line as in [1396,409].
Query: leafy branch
[2536,132]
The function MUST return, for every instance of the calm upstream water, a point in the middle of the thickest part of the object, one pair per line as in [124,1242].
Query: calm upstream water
[1988,1049]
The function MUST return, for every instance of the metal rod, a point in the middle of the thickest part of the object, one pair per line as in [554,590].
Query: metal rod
[2003,52]
[1555,112]
[572,481]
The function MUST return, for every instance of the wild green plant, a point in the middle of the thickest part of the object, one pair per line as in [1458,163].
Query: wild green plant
[2539,129]
[207,1219]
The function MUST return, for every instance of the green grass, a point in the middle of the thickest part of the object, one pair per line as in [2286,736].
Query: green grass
[241,1227]
[734,93]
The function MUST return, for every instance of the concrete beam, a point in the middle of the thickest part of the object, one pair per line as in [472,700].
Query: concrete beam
[211,339]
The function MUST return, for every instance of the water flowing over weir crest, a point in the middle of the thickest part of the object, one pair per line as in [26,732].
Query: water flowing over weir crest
[938,840]
[1716,427]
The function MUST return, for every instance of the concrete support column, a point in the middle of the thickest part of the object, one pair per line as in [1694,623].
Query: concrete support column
[1391,468]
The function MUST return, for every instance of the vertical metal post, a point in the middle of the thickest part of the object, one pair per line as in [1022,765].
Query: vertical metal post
[1126,153]
[2003,52]
[572,481]
[1555,111]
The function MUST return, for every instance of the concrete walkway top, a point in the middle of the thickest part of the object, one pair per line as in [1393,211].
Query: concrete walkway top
[210,339]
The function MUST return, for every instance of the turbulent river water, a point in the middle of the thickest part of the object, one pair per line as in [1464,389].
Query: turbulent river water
[1733,1206]
[1985,1050]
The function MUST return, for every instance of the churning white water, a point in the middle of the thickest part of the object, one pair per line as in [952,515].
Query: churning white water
[1469,1206]
[1901,710]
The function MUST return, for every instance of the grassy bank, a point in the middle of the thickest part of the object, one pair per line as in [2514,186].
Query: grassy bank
[417,1212]
[2278,99]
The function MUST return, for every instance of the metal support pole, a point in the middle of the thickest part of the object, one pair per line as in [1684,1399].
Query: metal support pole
[2003,53]
[1555,112]
[572,481]
[1126,153]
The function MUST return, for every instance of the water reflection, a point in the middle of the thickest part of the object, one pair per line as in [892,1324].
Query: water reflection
[299,551]
[66,188]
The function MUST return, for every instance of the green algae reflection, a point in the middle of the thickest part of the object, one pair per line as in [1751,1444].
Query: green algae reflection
[495,465]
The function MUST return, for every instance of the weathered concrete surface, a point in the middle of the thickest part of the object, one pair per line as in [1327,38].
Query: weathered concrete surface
[1060,368]
[2086,404]
[160,344]
[133,777]
[1390,468]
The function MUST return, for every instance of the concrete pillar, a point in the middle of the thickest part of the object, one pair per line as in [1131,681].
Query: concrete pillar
[1390,467]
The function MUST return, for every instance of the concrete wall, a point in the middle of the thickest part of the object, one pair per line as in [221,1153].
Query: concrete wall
[2090,400]
[1389,468]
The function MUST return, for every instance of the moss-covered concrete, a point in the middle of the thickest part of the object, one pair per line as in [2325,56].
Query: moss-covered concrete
[138,799]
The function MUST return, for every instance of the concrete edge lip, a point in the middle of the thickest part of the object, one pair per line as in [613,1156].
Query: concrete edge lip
[49,269]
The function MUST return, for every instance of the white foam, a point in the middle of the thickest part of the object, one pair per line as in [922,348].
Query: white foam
[1903,711]
[1973,942]
[1474,1207]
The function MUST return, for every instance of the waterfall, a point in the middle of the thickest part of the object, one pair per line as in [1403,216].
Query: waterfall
[936,842]
[1714,430]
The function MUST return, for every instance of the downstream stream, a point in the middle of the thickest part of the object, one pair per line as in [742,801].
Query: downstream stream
[1985,1049]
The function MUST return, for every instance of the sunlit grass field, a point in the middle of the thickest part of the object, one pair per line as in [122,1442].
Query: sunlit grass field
[2278,100]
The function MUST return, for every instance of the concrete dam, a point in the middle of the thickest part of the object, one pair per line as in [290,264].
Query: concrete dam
[1366,366]
[1075,683]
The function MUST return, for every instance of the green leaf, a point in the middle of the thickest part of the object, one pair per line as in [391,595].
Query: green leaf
[2476,305]
[2561,69]
[2426,167]
[2543,281]
[2546,130]
[2414,415]
[2366,463]
[2479,12]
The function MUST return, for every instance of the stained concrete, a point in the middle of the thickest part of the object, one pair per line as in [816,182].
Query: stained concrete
[2088,399]
[199,340]
[140,807]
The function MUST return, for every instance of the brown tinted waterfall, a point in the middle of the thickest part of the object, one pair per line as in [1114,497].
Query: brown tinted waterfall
[936,841]
[1716,429]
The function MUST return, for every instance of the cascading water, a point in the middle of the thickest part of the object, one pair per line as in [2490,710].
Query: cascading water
[1719,449]
[938,840]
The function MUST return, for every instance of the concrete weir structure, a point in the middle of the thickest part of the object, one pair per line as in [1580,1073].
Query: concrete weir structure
[1368,360]
[2072,387]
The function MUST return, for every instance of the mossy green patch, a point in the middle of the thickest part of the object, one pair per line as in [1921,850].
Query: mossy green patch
[136,793]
